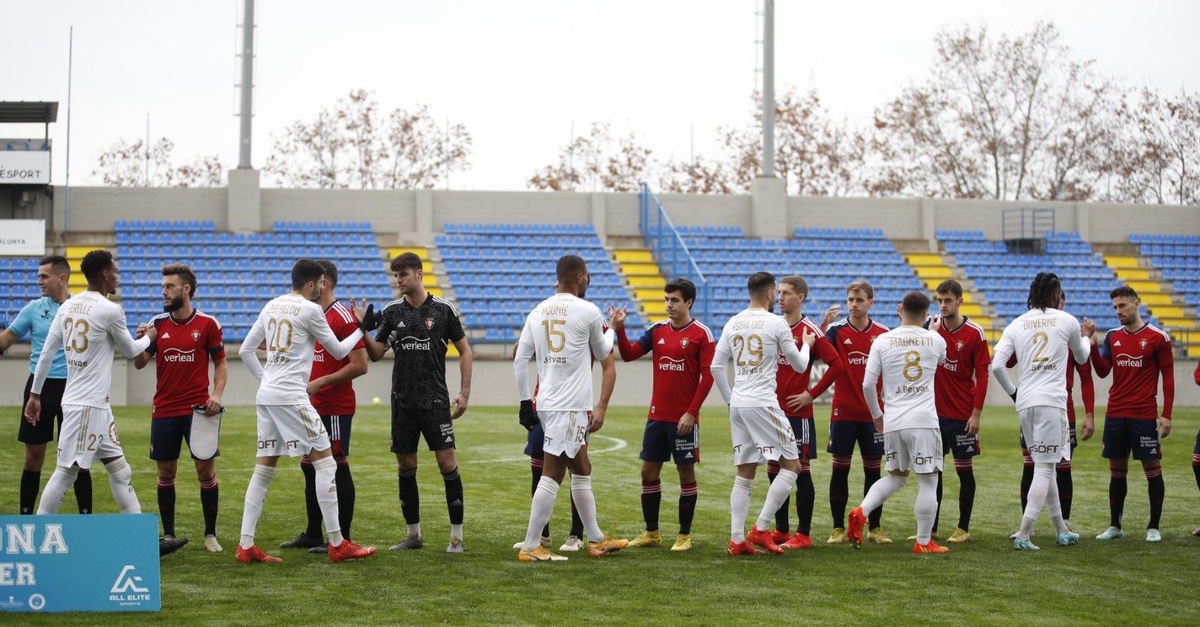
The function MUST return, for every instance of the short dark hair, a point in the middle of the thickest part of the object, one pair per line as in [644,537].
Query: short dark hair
[183,272]
[568,266]
[406,261]
[915,304]
[330,271]
[94,263]
[861,286]
[304,271]
[950,286]
[797,282]
[1044,291]
[1125,291]
[57,263]
[758,282]
[686,288]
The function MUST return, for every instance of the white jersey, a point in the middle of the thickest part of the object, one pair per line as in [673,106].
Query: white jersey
[89,328]
[907,359]
[754,339]
[291,325]
[563,332]
[1041,340]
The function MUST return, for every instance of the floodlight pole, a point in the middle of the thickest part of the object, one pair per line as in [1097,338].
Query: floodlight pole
[768,92]
[247,87]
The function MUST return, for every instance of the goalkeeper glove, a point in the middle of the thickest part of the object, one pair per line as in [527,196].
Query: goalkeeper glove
[371,320]
[528,415]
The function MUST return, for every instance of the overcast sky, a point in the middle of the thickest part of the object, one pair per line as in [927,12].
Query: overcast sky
[518,74]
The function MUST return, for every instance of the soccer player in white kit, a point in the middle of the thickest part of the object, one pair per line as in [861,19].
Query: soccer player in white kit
[1040,338]
[290,325]
[907,359]
[754,339]
[89,327]
[565,332]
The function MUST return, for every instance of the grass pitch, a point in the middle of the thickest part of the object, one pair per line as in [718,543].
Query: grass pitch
[984,582]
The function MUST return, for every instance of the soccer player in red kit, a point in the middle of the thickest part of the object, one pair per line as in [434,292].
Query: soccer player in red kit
[188,341]
[850,420]
[332,395]
[1062,470]
[683,350]
[961,381]
[1137,354]
[795,399]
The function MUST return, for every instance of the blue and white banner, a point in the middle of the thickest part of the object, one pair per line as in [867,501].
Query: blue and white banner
[94,563]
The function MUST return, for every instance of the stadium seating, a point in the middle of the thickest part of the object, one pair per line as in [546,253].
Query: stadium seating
[238,272]
[1177,257]
[18,286]
[499,272]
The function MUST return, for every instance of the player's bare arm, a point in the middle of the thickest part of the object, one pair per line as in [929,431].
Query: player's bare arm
[973,422]
[608,381]
[686,423]
[466,363]
[1088,428]
[213,405]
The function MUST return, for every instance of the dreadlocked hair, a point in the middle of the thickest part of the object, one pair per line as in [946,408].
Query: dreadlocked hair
[1044,291]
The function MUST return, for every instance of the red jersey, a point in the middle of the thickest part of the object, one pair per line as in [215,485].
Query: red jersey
[788,382]
[853,346]
[962,380]
[1136,361]
[183,350]
[1087,388]
[681,361]
[338,399]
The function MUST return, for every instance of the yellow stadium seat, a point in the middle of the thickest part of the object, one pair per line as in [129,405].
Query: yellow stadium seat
[654,307]
[646,281]
[633,255]
[641,269]
[1131,274]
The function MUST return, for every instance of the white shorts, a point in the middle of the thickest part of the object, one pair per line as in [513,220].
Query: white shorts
[1047,433]
[565,432]
[87,433]
[759,434]
[291,430]
[918,449]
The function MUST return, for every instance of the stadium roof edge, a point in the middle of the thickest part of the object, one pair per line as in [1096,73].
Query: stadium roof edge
[22,112]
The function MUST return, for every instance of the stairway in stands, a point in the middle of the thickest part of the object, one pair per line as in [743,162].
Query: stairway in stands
[644,279]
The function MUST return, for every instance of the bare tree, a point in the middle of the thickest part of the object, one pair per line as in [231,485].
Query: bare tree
[353,145]
[597,162]
[130,164]
[1157,156]
[999,118]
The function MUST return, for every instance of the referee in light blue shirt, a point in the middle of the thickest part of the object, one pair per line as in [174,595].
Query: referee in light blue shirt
[34,320]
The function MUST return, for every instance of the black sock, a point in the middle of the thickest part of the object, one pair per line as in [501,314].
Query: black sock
[210,497]
[410,497]
[688,495]
[346,494]
[166,507]
[1117,488]
[311,507]
[31,481]
[869,479]
[966,498]
[1065,487]
[781,514]
[83,491]
[839,491]
[651,504]
[806,496]
[576,521]
[454,495]
[1026,482]
[937,513]
[1157,490]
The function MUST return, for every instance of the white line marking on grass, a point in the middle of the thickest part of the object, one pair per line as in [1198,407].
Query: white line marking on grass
[617,444]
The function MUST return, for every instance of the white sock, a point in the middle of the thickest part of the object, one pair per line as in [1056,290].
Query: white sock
[1054,506]
[456,531]
[883,489]
[325,469]
[739,508]
[56,488]
[119,479]
[926,506]
[252,507]
[540,510]
[1043,477]
[780,489]
[585,503]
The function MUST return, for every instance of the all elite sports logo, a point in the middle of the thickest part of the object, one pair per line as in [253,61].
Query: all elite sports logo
[127,590]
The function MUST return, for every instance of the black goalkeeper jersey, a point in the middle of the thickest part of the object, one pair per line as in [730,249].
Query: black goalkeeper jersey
[418,337]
